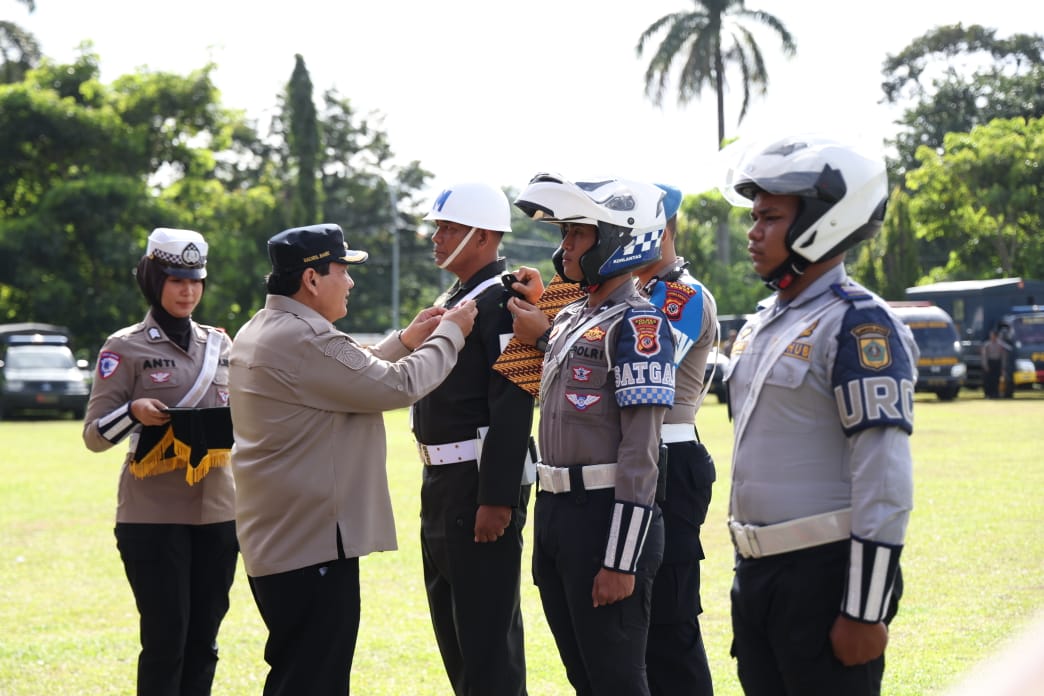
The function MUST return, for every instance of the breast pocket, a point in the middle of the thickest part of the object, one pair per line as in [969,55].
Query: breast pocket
[788,372]
[159,381]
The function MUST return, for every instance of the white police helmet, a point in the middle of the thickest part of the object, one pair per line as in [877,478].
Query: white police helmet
[473,204]
[178,253]
[629,216]
[842,189]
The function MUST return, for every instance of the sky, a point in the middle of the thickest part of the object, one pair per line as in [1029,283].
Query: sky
[498,91]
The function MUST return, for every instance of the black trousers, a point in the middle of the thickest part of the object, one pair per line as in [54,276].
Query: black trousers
[473,589]
[603,648]
[782,610]
[181,576]
[676,660]
[312,616]
[991,375]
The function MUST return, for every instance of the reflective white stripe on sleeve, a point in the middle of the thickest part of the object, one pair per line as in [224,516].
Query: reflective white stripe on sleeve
[115,426]
[627,532]
[871,577]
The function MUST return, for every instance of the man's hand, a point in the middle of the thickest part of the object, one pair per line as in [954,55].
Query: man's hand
[611,586]
[856,643]
[491,521]
[529,283]
[463,315]
[422,326]
[530,321]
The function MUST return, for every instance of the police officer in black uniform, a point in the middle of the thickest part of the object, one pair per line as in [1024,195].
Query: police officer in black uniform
[473,433]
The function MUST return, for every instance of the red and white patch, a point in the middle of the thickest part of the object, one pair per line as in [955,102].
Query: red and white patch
[159,377]
[594,335]
[223,396]
[646,334]
[678,295]
[107,364]
[581,374]
[582,402]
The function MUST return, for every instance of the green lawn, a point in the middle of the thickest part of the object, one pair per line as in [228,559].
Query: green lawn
[972,564]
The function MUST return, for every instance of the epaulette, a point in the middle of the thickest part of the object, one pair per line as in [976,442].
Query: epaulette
[850,293]
[128,330]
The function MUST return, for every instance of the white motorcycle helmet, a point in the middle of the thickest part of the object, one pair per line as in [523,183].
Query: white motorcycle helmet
[629,216]
[842,190]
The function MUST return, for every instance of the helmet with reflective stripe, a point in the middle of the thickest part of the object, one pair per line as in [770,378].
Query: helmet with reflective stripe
[473,204]
[842,189]
[629,216]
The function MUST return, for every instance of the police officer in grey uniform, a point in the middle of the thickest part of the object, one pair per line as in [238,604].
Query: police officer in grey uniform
[473,435]
[309,460]
[174,521]
[675,657]
[821,390]
[608,378]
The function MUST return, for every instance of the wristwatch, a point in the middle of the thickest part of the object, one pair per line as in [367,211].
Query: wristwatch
[541,343]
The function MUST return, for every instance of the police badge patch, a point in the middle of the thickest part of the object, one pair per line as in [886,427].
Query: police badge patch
[107,364]
[646,334]
[873,346]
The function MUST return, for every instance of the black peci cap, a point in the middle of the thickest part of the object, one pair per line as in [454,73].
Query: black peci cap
[300,247]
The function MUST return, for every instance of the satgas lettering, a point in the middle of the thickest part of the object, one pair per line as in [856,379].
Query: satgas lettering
[653,373]
[153,363]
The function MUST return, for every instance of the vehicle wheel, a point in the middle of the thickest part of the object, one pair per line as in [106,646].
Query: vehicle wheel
[79,413]
[948,394]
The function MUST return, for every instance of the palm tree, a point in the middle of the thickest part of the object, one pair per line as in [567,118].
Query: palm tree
[19,50]
[715,37]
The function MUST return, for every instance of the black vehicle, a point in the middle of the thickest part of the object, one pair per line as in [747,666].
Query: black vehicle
[940,368]
[38,371]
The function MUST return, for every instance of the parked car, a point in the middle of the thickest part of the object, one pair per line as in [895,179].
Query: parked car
[714,373]
[38,371]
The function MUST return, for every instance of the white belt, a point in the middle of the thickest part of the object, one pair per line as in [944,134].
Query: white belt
[753,541]
[555,479]
[677,432]
[449,453]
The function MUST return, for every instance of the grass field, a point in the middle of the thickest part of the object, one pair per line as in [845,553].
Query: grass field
[973,565]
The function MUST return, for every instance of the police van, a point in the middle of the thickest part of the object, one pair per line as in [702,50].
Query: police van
[38,371]
[940,368]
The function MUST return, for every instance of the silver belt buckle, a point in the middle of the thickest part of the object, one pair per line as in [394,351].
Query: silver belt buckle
[746,540]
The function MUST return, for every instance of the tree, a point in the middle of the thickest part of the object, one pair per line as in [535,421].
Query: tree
[889,263]
[955,78]
[19,50]
[716,37]
[303,143]
[982,195]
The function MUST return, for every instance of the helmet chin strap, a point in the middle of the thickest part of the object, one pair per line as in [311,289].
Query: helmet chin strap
[457,250]
[786,273]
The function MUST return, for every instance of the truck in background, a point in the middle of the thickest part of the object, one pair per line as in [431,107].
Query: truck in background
[1008,305]
[940,366]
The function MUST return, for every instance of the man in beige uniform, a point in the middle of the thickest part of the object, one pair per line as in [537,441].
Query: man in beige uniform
[309,459]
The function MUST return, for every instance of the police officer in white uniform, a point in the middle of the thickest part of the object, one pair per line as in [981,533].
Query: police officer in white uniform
[608,379]
[821,391]
[174,520]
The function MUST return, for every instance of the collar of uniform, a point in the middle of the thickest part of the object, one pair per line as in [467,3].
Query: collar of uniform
[487,271]
[282,303]
[819,287]
[154,332]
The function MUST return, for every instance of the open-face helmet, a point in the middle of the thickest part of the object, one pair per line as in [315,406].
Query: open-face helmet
[842,191]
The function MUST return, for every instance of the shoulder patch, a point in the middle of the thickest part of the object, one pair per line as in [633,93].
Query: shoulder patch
[108,362]
[873,346]
[347,353]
